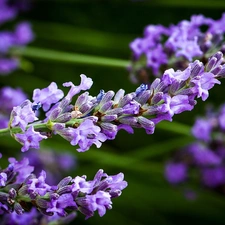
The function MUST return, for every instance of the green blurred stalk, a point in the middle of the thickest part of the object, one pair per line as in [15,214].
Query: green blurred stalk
[174,127]
[160,149]
[218,4]
[72,58]
[82,36]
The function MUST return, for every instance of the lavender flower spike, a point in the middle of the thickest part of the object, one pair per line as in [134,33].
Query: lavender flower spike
[93,120]
[69,196]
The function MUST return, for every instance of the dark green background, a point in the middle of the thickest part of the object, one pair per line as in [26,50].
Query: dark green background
[105,28]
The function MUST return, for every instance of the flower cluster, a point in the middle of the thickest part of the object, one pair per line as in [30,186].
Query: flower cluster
[206,154]
[21,191]
[92,120]
[176,46]
[21,36]
[9,97]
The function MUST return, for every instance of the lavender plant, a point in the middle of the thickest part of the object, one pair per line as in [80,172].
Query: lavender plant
[19,38]
[175,46]
[92,120]
[205,155]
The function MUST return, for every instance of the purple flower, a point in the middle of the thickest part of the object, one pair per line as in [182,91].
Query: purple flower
[213,177]
[10,97]
[99,201]
[23,33]
[28,218]
[175,172]
[6,12]
[203,156]
[85,84]
[6,41]
[155,58]
[29,139]
[58,204]
[86,134]
[3,179]
[202,129]
[81,185]
[22,168]
[22,115]
[204,83]
[47,96]
[8,65]
[38,185]
[170,75]
[221,118]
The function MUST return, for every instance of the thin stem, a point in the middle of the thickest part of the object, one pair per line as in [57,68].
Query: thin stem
[73,58]
[6,131]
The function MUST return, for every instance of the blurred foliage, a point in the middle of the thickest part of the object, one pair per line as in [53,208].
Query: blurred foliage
[105,28]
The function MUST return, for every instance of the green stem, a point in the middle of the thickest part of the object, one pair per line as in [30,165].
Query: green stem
[14,130]
[73,58]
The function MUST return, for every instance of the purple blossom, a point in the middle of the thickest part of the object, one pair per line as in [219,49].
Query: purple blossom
[171,76]
[213,177]
[81,185]
[85,135]
[10,97]
[8,65]
[23,33]
[203,156]
[202,129]
[85,84]
[221,118]
[6,41]
[3,179]
[175,172]
[29,139]
[155,58]
[99,201]
[28,218]
[59,203]
[22,115]
[205,82]
[47,96]
[6,12]
[38,185]
[178,44]
[22,168]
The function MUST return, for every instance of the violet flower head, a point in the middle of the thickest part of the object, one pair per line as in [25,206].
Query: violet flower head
[38,185]
[48,96]
[59,203]
[175,172]
[202,129]
[85,84]
[22,168]
[206,155]
[86,135]
[8,65]
[178,44]
[23,34]
[22,115]
[100,202]
[10,97]
[213,177]
[29,139]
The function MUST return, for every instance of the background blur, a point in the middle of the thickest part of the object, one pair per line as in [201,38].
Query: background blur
[105,28]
